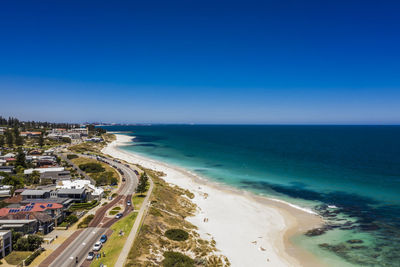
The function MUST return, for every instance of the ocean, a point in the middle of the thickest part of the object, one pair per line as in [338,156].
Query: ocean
[348,174]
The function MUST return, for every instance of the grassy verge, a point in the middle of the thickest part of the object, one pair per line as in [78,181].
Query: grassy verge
[115,243]
[17,257]
[112,248]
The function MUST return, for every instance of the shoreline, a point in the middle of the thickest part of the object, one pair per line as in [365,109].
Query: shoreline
[250,230]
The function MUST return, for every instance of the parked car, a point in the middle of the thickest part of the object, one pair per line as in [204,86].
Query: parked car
[128,203]
[103,238]
[97,246]
[119,215]
[90,256]
[123,180]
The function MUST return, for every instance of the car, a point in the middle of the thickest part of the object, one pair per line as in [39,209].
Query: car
[97,246]
[90,256]
[128,203]
[119,215]
[103,238]
[110,197]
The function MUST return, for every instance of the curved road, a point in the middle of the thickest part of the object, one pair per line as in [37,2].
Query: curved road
[80,246]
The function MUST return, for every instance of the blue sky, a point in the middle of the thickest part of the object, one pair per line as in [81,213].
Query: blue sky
[201,61]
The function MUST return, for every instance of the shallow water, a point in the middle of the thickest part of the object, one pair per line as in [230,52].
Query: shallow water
[354,168]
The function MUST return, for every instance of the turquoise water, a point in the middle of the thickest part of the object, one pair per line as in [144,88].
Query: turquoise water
[353,169]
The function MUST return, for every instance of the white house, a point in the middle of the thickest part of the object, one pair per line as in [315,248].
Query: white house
[43,170]
[96,192]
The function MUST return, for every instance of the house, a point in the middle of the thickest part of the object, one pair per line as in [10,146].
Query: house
[35,194]
[65,202]
[82,131]
[76,195]
[5,191]
[47,215]
[43,170]
[30,134]
[7,169]
[55,176]
[94,139]
[8,155]
[5,243]
[93,191]
[19,191]
[25,226]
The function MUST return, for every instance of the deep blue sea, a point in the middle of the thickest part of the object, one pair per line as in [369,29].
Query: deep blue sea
[348,174]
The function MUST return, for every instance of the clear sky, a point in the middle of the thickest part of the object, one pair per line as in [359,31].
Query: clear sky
[201,61]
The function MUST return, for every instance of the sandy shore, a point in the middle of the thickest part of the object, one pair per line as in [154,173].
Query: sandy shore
[248,229]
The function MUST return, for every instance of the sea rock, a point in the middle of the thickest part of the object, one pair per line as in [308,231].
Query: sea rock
[316,231]
[355,241]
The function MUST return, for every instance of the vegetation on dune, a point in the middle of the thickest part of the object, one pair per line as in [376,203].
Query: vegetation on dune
[91,167]
[170,205]
[72,156]
[101,172]
[176,259]
[177,234]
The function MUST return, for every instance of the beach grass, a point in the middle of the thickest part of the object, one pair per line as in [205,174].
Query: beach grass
[170,205]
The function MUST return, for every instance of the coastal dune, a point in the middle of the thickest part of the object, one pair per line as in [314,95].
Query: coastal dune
[250,230]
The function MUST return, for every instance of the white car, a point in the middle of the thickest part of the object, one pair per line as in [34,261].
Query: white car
[97,246]
[90,256]
[128,203]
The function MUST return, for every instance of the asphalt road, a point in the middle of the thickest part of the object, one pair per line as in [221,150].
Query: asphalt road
[81,245]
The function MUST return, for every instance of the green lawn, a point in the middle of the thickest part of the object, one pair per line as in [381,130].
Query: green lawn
[115,242]
[17,257]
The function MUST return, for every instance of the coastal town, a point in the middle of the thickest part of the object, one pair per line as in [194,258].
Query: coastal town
[70,197]
[58,190]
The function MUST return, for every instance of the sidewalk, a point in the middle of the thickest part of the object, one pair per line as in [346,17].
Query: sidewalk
[132,235]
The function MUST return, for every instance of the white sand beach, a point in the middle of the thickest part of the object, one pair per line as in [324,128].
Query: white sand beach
[248,229]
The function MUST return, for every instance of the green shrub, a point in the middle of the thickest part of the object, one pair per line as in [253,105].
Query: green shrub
[33,256]
[30,243]
[85,222]
[72,156]
[84,206]
[91,167]
[176,259]
[177,234]
[71,219]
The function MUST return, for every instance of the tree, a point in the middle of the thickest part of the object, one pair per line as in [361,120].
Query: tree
[30,243]
[19,141]
[20,161]
[141,187]
[2,141]
[41,140]
[9,138]
[33,178]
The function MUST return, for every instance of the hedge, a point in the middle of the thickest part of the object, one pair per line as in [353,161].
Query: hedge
[33,256]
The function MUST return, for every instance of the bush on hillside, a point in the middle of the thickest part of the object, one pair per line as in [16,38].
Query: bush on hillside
[92,167]
[177,234]
[72,156]
[174,259]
